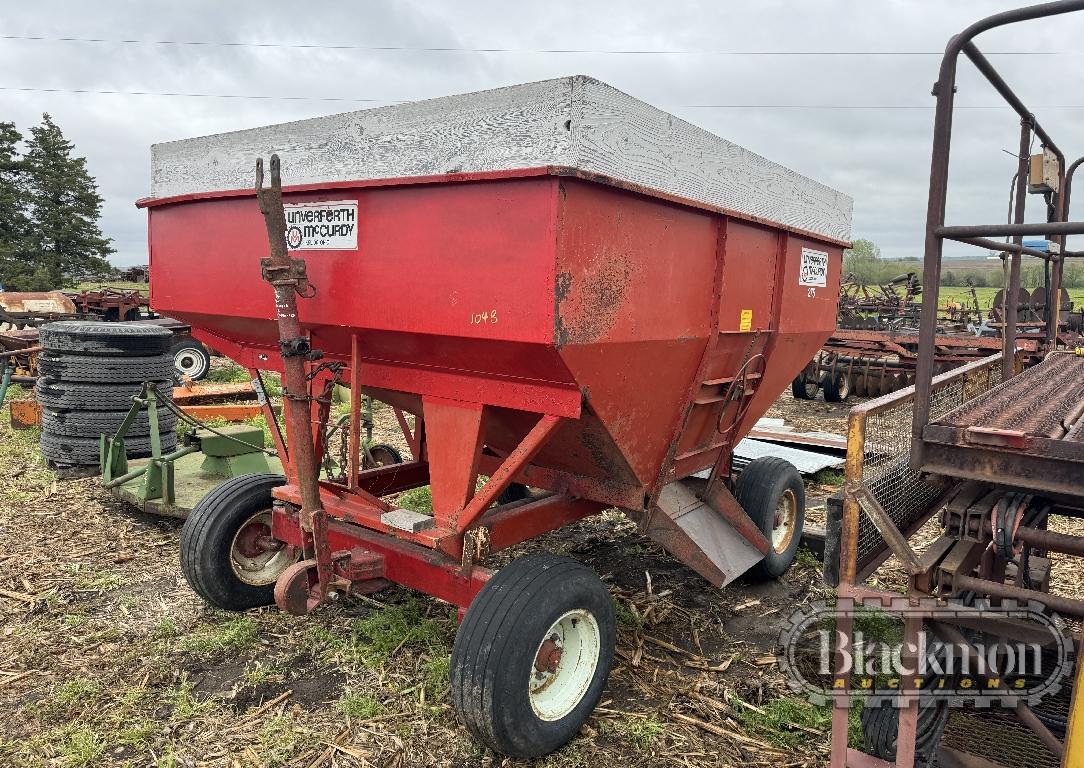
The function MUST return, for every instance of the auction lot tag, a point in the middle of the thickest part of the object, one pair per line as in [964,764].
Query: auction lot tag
[814,268]
[324,226]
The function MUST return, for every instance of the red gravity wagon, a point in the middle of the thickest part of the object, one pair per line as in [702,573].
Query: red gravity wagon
[573,302]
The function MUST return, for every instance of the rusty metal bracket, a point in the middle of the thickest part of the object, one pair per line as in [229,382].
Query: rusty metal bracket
[997,438]
[293,274]
[896,541]
[930,560]
[295,347]
[358,564]
[960,561]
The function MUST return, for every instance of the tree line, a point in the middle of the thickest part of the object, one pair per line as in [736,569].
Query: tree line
[49,212]
[864,264]
[1031,276]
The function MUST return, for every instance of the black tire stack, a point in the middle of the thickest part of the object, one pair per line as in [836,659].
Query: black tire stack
[88,373]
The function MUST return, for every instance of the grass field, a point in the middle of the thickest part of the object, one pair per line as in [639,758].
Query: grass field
[986,296]
[95,285]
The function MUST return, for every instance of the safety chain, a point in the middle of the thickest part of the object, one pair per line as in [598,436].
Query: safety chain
[192,421]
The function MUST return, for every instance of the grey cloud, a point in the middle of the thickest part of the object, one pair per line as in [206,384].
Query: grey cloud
[880,157]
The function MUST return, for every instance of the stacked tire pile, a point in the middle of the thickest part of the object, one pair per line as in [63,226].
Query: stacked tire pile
[88,373]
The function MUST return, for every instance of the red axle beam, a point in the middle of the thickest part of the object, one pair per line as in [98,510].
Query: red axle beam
[411,565]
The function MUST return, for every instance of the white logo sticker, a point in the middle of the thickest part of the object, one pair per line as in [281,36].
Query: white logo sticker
[322,226]
[814,268]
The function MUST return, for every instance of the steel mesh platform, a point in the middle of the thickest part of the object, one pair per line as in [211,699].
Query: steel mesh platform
[997,736]
[1035,402]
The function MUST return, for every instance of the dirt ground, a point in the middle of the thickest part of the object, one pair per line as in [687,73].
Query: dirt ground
[108,658]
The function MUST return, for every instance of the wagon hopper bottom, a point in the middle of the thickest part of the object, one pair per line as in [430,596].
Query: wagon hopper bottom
[597,341]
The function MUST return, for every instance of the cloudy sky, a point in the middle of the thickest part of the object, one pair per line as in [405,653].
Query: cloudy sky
[858,119]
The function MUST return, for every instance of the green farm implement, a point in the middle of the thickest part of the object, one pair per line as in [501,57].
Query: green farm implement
[171,484]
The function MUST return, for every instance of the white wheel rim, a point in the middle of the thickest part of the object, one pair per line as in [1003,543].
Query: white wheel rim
[786,511]
[564,665]
[254,562]
[189,363]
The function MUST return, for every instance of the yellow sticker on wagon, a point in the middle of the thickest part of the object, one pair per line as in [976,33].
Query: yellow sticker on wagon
[746,322]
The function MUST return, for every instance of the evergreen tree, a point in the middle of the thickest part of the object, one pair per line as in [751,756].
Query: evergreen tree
[13,221]
[64,206]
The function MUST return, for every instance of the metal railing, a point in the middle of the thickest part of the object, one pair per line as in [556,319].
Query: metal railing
[1056,226]
[878,447]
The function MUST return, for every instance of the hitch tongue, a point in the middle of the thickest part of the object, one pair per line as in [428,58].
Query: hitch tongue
[306,584]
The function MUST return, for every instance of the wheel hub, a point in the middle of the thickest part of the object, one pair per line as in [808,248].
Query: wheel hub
[786,512]
[256,557]
[255,539]
[188,363]
[564,665]
[549,656]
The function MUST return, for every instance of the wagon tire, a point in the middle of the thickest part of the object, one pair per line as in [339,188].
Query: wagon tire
[514,492]
[880,728]
[804,388]
[191,359]
[837,387]
[104,370]
[772,493]
[533,654]
[91,337]
[384,455]
[212,556]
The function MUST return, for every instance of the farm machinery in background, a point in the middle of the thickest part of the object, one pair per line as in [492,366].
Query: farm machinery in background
[874,350]
[880,307]
[23,310]
[22,313]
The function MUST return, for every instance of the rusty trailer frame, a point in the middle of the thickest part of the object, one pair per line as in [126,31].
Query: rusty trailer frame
[884,503]
[960,459]
[925,444]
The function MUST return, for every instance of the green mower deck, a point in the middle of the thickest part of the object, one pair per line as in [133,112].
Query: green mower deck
[194,476]
[172,484]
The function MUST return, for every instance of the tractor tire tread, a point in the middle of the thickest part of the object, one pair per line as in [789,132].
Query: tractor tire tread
[106,370]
